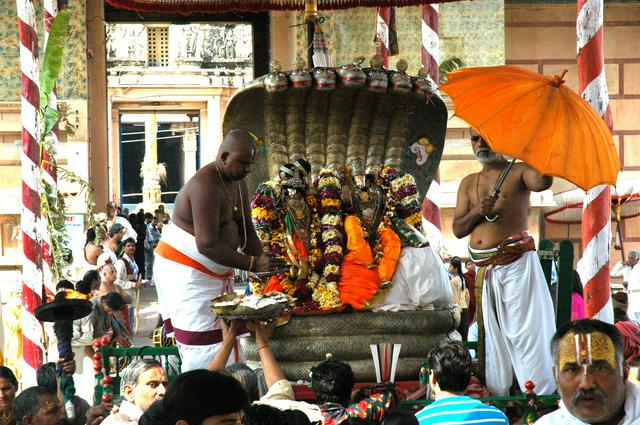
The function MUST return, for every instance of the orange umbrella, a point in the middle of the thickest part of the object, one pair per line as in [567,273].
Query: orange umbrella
[538,119]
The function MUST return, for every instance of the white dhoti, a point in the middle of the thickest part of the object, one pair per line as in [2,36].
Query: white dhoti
[186,281]
[419,282]
[518,322]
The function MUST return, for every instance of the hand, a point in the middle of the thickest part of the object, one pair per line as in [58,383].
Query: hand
[68,366]
[266,262]
[229,330]
[487,204]
[97,414]
[264,331]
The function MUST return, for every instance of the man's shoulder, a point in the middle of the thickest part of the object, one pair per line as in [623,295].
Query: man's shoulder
[459,409]
[558,417]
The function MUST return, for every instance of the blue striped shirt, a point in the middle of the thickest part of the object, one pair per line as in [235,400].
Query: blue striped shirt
[460,410]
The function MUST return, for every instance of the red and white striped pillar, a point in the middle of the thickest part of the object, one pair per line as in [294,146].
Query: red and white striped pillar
[430,61]
[596,214]
[49,170]
[30,219]
[383,17]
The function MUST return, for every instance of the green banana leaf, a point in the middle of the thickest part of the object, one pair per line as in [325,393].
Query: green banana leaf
[50,117]
[54,55]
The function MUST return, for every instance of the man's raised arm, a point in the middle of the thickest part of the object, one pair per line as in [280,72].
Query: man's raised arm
[535,181]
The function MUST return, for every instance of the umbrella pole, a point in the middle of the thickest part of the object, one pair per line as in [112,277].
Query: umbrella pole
[621,242]
[502,178]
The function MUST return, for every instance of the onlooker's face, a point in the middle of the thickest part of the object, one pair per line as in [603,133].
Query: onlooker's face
[108,273]
[154,222]
[590,380]
[633,260]
[7,394]
[130,248]
[230,419]
[151,386]
[50,411]
[470,266]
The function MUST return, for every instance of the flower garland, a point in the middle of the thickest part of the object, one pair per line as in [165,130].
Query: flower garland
[402,202]
[325,288]
[268,226]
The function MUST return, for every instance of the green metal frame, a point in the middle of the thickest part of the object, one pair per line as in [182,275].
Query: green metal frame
[114,356]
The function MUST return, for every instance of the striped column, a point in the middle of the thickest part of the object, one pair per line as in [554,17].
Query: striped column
[49,174]
[596,213]
[383,18]
[30,218]
[430,61]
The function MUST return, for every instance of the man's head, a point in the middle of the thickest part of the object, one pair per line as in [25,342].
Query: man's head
[129,247]
[38,406]
[91,279]
[112,209]
[633,257]
[332,382]
[116,231]
[204,397]
[46,377]
[247,377]
[237,154]
[450,366]
[589,369]
[112,302]
[482,151]
[8,388]
[148,217]
[143,382]
[108,273]
[63,285]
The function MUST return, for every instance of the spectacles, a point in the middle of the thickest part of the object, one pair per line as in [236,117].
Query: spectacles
[475,138]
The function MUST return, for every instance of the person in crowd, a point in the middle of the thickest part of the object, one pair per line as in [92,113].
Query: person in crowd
[113,244]
[105,322]
[92,250]
[8,388]
[63,285]
[577,302]
[91,280]
[38,406]
[204,397]
[332,382]
[113,217]
[128,277]
[82,338]
[150,243]
[629,331]
[592,377]
[141,228]
[110,283]
[450,370]
[517,318]
[192,267]
[629,270]
[142,382]
[47,377]
[460,295]
[470,278]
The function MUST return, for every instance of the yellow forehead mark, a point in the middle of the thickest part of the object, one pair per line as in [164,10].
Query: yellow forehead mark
[584,349]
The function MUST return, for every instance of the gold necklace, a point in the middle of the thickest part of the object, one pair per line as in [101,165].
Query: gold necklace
[235,208]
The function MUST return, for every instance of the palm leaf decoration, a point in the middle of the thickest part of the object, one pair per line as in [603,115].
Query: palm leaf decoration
[449,65]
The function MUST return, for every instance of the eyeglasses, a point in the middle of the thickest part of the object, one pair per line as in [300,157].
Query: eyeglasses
[475,138]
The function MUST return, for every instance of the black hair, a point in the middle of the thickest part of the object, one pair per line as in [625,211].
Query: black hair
[46,376]
[91,276]
[247,378]
[7,374]
[199,394]
[457,264]
[332,382]
[91,235]
[113,300]
[577,283]
[450,362]
[148,216]
[28,402]
[262,414]
[154,415]
[83,287]
[400,417]
[586,326]
[295,417]
[128,240]
[64,284]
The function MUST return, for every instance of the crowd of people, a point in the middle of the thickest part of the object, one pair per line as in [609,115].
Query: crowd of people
[500,293]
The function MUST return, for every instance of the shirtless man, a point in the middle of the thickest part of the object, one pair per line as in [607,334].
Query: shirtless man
[514,309]
[211,234]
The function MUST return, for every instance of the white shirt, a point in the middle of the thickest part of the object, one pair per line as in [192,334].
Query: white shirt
[629,274]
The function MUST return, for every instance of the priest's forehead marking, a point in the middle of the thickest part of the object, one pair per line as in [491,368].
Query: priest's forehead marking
[585,348]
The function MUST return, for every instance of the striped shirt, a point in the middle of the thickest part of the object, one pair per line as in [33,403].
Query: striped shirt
[460,410]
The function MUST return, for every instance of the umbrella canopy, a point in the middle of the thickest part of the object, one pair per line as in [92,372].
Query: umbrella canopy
[222,6]
[537,119]
[625,201]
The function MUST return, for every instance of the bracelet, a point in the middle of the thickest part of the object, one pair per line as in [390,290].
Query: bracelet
[253,259]
[263,346]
